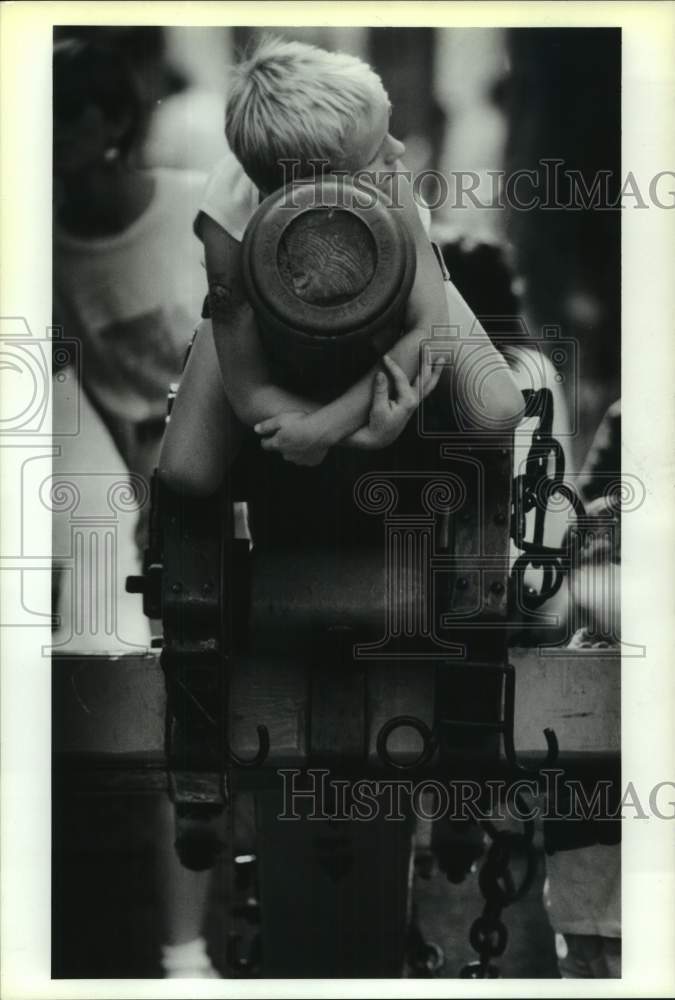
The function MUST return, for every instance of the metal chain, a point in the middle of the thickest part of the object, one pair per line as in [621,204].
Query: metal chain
[533,491]
[488,934]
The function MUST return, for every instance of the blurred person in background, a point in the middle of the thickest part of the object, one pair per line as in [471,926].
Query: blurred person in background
[180,78]
[128,284]
[128,277]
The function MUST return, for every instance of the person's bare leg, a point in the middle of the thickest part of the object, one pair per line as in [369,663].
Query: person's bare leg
[183,898]
[203,434]
[200,444]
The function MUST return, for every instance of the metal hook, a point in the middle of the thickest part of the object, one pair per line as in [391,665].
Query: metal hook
[260,756]
[428,738]
[509,717]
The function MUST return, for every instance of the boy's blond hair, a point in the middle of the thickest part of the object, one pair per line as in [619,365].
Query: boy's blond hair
[295,102]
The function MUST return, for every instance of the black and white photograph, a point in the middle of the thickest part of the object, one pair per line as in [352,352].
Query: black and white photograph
[335,362]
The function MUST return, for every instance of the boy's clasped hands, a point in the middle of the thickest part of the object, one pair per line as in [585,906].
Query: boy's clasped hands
[305,438]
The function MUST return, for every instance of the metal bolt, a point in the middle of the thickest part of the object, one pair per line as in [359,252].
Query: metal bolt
[462,583]
[497,588]
[176,588]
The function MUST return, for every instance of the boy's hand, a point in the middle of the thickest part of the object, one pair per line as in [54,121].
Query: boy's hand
[389,415]
[294,436]
[299,437]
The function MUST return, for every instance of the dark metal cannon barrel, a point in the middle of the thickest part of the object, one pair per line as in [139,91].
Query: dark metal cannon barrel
[328,269]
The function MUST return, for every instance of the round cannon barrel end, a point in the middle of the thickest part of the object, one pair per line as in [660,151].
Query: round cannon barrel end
[326,268]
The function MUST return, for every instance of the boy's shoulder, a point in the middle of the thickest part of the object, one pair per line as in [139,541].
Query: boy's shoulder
[230,197]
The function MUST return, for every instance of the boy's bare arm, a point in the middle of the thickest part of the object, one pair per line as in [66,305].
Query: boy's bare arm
[243,367]
[480,383]
[203,434]
[436,303]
